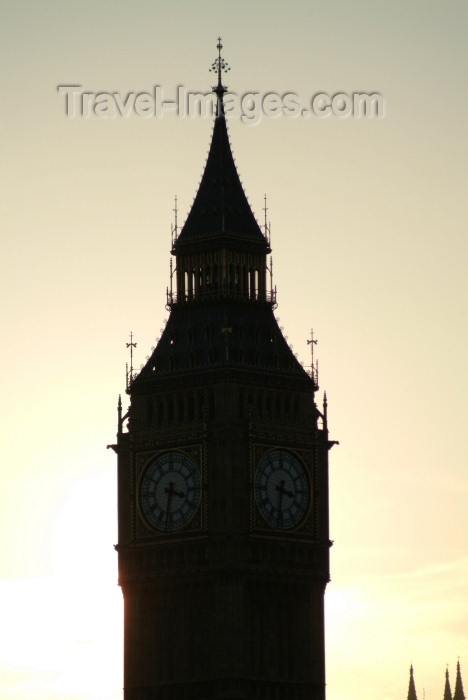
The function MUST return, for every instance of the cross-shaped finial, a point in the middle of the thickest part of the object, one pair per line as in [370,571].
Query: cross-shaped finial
[219,65]
[314,368]
[130,345]
[312,342]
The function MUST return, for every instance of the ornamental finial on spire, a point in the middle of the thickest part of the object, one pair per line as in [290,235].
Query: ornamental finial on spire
[218,66]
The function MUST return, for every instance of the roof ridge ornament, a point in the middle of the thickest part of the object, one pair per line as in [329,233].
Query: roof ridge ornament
[218,66]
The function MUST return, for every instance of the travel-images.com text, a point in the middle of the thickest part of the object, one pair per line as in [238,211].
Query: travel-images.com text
[250,107]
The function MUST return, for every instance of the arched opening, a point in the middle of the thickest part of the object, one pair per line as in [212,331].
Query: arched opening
[180,408]
[191,408]
[245,280]
[251,283]
[149,413]
[241,404]
[170,409]
[201,405]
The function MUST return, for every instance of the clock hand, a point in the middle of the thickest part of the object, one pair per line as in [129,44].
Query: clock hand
[282,491]
[170,493]
[280,487]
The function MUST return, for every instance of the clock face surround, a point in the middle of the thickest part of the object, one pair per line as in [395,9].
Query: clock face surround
[282,489]
[169,491]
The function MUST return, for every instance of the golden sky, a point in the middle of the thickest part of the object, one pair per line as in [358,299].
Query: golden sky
[368,225]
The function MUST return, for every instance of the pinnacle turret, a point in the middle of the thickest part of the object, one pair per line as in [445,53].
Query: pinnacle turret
[458,694]
[447,690]
[412,689]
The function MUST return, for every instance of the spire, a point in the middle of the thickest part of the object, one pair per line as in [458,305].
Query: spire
[218,66]
[458,694]
[220,208]
[447,690]
[412,690]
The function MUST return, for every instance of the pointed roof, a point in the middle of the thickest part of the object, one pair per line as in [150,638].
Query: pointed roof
[447,690]
[458,694]
[185,350]
[412,689]
[220,208]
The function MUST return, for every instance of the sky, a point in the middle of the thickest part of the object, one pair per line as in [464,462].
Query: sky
[368,228]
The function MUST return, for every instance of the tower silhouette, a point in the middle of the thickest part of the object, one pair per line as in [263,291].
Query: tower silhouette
[223,540]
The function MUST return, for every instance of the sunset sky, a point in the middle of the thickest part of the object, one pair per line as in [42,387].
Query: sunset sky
[369,236]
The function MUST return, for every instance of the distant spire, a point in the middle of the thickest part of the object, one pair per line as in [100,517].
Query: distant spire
[218,66]
[412,690]
[447,691]
[458,694]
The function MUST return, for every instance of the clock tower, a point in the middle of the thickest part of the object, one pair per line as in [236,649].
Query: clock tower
[223,540]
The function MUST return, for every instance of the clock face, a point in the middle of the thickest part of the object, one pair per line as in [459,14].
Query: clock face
[282,489]
[169,491]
